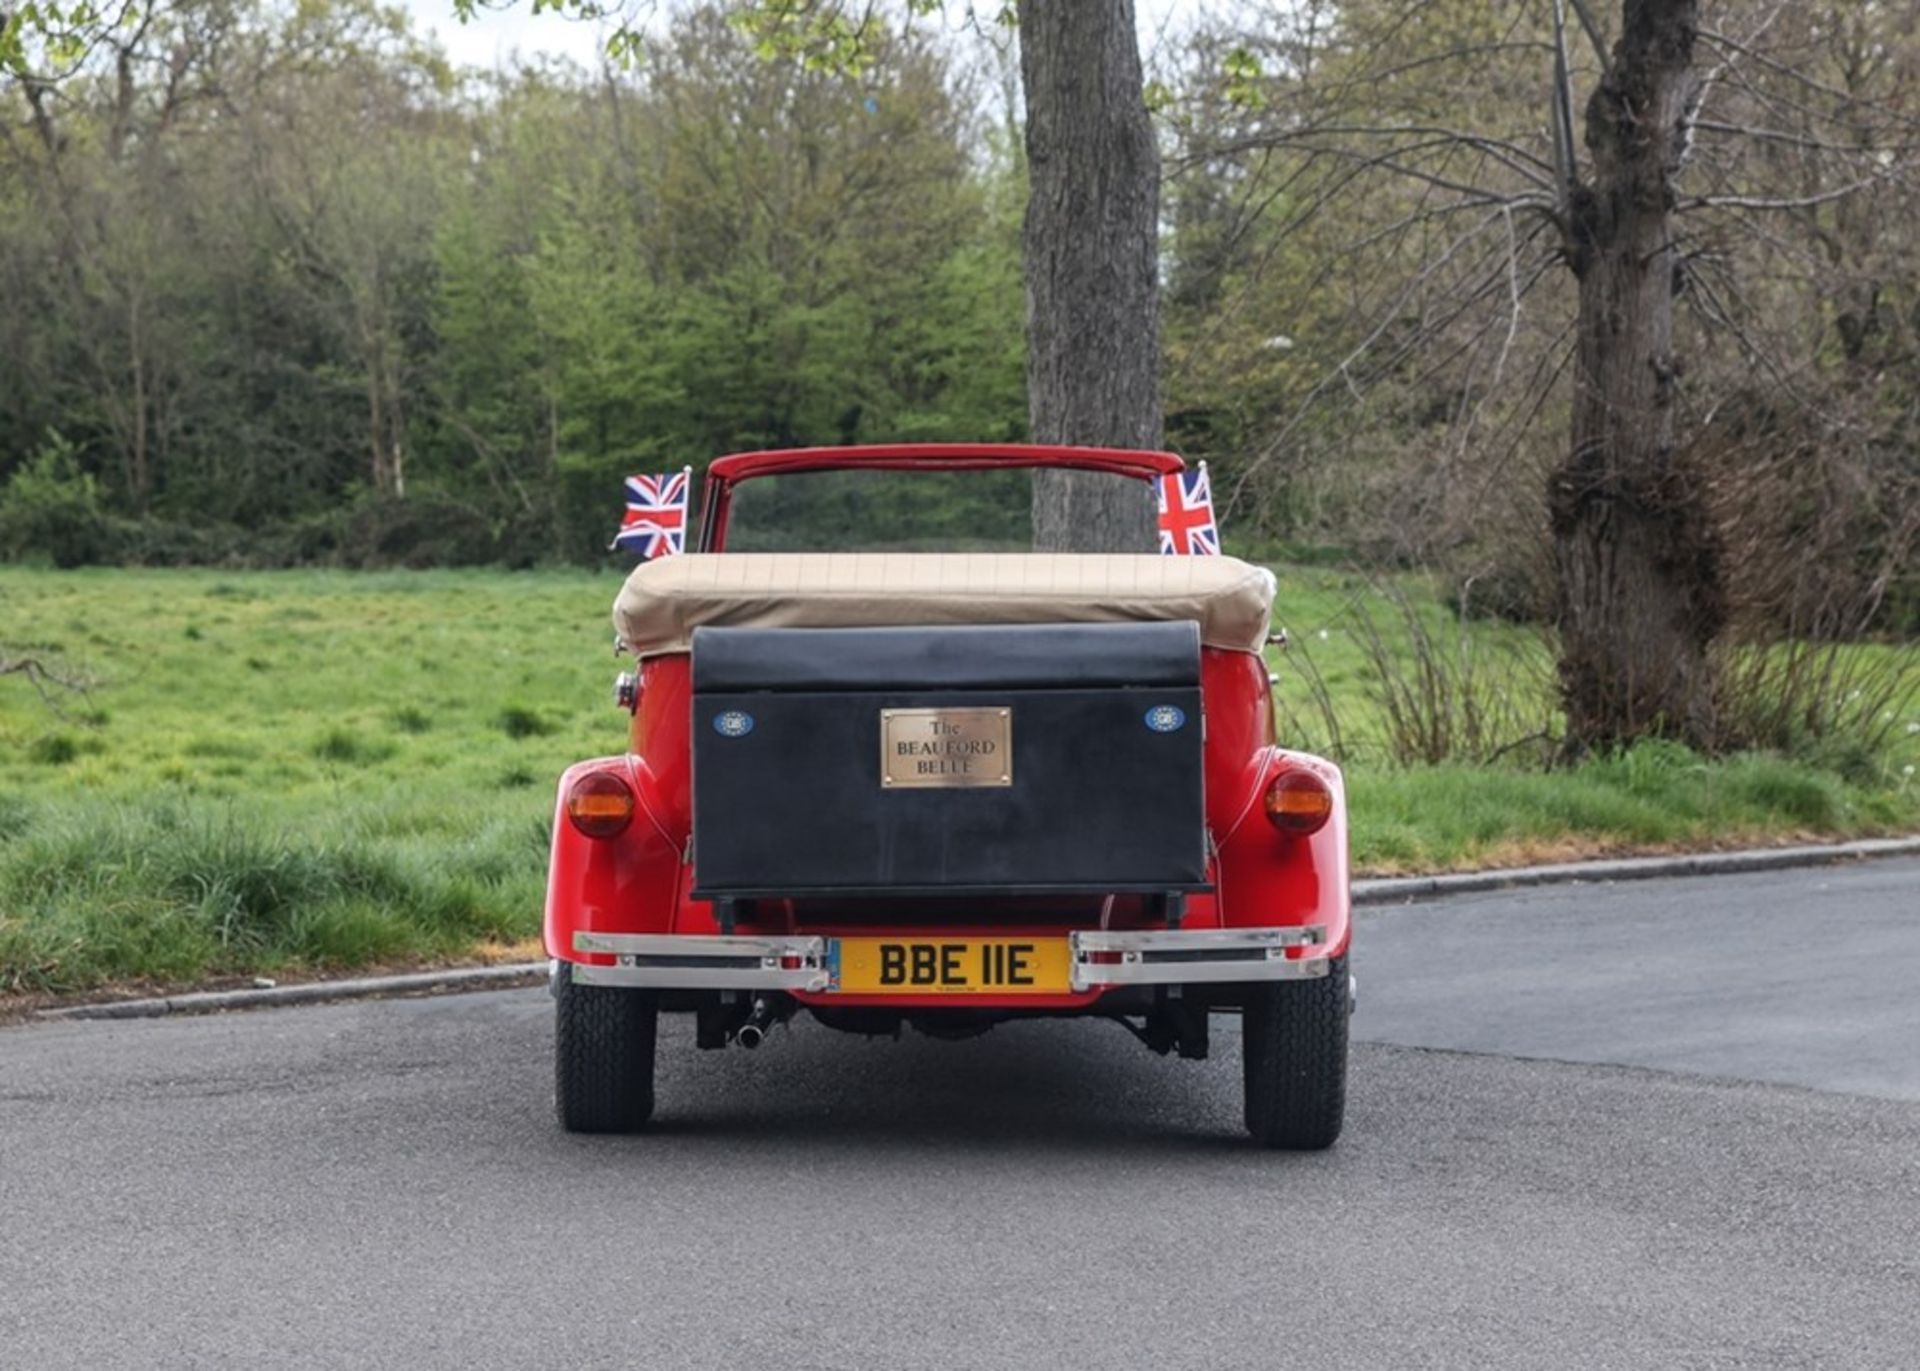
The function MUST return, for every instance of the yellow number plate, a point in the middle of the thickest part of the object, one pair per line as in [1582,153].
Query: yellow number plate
[952,966]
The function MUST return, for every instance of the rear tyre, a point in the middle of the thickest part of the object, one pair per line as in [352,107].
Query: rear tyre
[1294,1050]
[603,1043]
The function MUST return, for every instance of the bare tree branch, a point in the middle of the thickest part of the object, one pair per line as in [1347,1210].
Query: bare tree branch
[1565,156]
[1588,23]
[1798,140]
[1792,201]
[1341,372]
[49,682]
[1798,77]
[1510,155]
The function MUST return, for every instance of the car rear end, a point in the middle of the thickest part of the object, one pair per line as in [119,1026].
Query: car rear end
[942,826]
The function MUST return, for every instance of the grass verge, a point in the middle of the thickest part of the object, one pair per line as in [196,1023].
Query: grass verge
[300,772]
[1654,798]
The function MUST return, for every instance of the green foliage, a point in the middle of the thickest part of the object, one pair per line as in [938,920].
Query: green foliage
[51,508]
[1243,75]
[383,314]
[877,511]
[822,38]
[43,36]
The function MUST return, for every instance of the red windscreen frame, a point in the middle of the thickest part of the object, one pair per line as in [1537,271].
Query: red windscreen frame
[725,472]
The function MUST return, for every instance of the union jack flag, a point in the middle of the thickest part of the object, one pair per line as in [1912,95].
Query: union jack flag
[1186,515]
[655,524]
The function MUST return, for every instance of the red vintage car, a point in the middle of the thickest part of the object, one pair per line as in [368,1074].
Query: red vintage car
[941,790]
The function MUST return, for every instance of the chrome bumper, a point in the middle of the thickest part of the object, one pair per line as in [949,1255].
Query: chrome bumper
[1194,956]
[666,961]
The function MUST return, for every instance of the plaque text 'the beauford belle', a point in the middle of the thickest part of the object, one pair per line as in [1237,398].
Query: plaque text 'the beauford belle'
[946,747]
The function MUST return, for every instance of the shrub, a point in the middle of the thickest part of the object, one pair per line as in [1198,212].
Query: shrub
[1836,701]
[1451,693]
[424,530]
[157,540]
[51,508]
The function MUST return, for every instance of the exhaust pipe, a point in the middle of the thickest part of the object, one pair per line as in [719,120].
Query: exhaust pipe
[759,1019]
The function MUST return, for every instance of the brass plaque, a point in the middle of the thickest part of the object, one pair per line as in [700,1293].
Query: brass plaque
[945,747]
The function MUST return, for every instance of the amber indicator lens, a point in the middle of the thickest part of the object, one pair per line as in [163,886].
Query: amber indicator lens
[599,805]
[1299,802]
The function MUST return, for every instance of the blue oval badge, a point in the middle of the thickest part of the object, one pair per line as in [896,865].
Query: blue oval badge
[1166,718]
[733,723]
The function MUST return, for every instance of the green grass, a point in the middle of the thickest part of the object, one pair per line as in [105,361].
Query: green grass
[287,772]
[302,771]
[1445,817]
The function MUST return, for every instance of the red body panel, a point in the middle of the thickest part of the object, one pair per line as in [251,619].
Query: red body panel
[639,882]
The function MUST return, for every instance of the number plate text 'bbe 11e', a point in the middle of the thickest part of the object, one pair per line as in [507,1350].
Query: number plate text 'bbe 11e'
[951,966]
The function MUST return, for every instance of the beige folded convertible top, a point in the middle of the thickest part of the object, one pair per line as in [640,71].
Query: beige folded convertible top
[664,601]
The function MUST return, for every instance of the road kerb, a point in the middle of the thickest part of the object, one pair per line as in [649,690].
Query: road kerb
[308,992]
[1405,889]
[1380,891]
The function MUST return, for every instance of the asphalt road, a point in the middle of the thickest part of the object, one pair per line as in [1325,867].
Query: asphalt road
[381,1185]
[1807,977]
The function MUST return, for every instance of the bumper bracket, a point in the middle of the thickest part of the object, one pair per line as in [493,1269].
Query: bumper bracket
[1194,956]
[669,961]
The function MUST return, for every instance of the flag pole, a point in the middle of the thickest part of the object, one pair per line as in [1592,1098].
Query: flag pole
[686,509]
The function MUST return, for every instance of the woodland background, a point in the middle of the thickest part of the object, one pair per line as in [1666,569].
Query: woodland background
[283,287]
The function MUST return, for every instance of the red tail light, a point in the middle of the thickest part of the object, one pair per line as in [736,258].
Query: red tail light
[599,805]
[1299,802]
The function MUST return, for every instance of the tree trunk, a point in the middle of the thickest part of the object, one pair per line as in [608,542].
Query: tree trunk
[396,421]
[140,476]
[1641,598]
[1090,246]
[377,429]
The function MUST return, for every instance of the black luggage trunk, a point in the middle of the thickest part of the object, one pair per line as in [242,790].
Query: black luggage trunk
[988,760]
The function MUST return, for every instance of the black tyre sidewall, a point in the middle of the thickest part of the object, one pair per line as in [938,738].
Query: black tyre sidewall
[603,1056]
[1294,1060]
